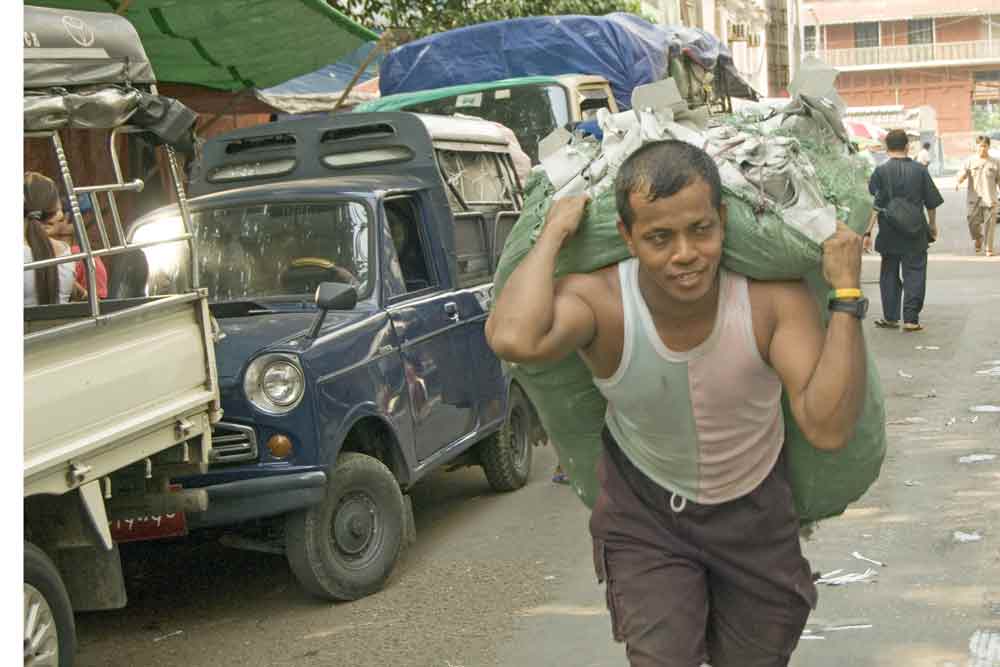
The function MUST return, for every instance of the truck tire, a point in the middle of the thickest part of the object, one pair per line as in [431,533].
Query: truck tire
[345,547]
[506,456]
[49,630]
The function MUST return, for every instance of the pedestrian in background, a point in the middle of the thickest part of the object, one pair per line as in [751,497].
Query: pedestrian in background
[924,156]
[982,171]
[903,246]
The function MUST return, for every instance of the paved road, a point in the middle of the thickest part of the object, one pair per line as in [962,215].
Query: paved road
[507,579]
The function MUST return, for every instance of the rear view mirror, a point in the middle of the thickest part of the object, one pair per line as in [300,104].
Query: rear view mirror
[336,296]
[331,296]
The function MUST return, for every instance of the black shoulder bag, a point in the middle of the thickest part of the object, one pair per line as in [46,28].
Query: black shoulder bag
[903,215]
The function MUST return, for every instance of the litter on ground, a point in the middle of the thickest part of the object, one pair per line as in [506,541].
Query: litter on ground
[963,538]
[977,458]
[835,578]
[907,420]
[857,555]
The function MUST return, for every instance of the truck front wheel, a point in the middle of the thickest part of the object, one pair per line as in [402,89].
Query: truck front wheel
[49,632]
[345,547]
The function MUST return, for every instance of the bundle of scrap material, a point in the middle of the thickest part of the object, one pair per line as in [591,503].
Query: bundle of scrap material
[788,176]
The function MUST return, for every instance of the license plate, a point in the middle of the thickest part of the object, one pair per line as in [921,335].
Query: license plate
[149,527]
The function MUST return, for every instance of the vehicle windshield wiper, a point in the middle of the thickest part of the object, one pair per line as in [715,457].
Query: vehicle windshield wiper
[224,309]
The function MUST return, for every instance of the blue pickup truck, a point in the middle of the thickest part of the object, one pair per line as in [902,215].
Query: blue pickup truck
[349,264]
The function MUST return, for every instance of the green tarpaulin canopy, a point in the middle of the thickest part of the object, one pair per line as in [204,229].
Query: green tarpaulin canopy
[233,44]
[401,101]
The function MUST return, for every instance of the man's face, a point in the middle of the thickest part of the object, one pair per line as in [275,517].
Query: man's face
[984,149]
[678,240]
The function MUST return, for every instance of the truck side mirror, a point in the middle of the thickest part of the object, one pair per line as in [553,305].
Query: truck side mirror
[332,296]
[336,296]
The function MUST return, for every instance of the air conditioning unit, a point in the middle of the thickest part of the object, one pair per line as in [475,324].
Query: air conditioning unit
[738,32]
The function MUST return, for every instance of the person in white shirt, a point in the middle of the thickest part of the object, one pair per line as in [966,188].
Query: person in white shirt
[53,284]
[983,174]
[924,156]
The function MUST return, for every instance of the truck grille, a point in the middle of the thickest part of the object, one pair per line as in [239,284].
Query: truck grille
[233,442]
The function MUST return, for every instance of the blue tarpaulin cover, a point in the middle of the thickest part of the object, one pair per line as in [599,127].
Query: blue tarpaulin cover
[624,49]
[331,78]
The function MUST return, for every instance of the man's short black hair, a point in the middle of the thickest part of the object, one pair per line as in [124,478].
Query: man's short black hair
[896,140]
[927,145]
[662,169]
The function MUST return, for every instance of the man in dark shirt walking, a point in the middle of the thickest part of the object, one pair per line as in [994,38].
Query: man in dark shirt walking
[902,177]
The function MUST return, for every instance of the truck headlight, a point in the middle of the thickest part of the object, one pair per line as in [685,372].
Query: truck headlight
[274,383]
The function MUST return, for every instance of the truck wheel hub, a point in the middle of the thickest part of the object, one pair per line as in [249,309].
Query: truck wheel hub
[355,524]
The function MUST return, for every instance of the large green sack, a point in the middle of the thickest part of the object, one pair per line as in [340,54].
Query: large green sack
[760,246]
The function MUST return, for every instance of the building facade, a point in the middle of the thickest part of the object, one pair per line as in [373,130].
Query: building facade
[763,35]
[912,53]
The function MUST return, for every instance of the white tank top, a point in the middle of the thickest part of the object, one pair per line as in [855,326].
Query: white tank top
[705,424]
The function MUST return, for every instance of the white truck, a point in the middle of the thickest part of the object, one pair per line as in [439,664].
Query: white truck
[120,393]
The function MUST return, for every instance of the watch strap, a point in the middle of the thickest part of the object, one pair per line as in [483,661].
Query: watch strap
[856,307]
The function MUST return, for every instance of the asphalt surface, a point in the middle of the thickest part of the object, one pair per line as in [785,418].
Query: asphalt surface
[507,580]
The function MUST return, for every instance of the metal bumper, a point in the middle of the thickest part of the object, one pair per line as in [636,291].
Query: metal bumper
[234,502]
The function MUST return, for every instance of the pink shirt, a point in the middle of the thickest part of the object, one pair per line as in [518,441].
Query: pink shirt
[100,274]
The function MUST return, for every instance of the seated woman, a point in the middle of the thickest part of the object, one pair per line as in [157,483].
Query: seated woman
[63,230]
[42,209]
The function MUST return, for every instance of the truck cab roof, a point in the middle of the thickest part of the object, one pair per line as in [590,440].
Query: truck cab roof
[330,147]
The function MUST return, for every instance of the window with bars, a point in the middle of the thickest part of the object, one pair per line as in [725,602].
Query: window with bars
[809,37]
[920,31]
[865,35]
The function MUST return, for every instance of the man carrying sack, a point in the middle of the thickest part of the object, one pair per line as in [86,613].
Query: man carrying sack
[695,531]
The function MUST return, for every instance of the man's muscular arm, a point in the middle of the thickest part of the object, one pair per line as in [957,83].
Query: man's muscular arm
[824,376]
[537,319]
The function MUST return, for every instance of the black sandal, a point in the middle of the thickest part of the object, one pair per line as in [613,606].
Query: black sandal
[887,324]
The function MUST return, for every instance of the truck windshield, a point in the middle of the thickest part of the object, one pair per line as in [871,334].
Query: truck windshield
[262,250]
[530,111]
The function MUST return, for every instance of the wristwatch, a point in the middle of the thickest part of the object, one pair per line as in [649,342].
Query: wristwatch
[856,307]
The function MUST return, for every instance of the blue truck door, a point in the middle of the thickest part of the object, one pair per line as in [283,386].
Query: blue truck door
[432,329]
[475,276]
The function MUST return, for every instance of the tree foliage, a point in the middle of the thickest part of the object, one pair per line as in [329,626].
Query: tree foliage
[417,18]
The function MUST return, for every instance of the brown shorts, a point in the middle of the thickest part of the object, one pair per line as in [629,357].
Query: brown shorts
[724,584]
